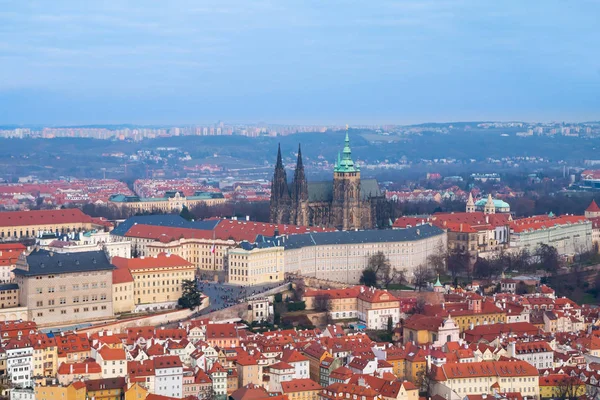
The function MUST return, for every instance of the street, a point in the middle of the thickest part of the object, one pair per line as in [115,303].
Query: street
[223,295]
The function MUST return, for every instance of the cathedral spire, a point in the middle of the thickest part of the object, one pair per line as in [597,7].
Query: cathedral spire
[279,163]
[299,163]
[345,163]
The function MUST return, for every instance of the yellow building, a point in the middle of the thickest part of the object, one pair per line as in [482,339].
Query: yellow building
[477,312]
[21,224]
[106,389]
[45,355]
[249,371]
[256,265]
[560,386]
[75,391]
[136,392]
[157,280]
[173,201]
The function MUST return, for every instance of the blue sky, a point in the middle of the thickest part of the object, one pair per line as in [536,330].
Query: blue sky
[298,61]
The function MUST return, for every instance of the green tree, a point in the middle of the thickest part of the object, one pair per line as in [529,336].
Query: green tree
[390,325]
[191,297]
[548,257]
[278,297]
[368,278]
[186,214]
[458,262]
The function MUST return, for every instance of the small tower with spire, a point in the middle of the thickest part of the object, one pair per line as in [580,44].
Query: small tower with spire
[593,211]
[490,207]
[437,286]
[470,204]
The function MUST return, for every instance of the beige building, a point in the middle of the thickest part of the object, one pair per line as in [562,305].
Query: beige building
[123,291]
[172,201]
[59,289]
[375,307]
[343,303]
[209,255]
[256,264]
[9,295]
[342,256]
[20,224]
[157,280]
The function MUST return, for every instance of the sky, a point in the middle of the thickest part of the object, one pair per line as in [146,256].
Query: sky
[66,62]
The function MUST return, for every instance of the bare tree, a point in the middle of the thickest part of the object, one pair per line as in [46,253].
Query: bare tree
[437,260]
[322,303]
[570,388]
[299,288]
[419,307]
[422,275]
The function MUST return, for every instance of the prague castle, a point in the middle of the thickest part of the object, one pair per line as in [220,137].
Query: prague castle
[345,203]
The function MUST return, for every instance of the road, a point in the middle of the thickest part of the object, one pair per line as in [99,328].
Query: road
[223,295]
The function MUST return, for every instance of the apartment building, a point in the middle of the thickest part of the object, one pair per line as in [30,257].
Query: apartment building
[65,288]
[76,242]
[375,307]
[256,264]
[157,280]
[343,303]
[342,256]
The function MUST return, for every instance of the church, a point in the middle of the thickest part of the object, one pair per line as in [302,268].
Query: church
[345,203]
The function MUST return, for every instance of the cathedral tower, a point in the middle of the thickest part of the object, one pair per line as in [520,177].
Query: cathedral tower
[280,196]
[346,205]
[299,211]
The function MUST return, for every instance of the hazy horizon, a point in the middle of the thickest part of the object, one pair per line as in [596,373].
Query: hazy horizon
[298,62]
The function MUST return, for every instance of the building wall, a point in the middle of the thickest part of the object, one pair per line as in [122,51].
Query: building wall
[167,204]
[67,298]
[566,238]
[9,298]
[345,262]
[35,230]
[160,285]
[256,266]
[459,388]
[123,297]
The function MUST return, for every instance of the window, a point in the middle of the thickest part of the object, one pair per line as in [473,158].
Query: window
[86,298]
[39,290]
[51,302]
[75,310]
[76,287]
[94,297]
[63,300]
[63,311]
[103,296]
[51,289]
[62,288]
[76,299]
[85,286]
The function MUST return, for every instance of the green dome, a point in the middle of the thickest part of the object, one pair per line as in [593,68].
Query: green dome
[497,203]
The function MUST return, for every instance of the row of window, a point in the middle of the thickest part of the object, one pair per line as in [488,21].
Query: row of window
[63,288]
[75,310]
[63,300]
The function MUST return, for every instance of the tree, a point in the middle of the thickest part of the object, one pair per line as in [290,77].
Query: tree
[390,324]
[548,257]
[570,388]
[437,260]
[191,297]
[186,214]
[419,307]
[322,303]
[368,278]
[379,263]
[422,276]
[482,268]
[278,297]
[522,288]
[299,289]
[458,262]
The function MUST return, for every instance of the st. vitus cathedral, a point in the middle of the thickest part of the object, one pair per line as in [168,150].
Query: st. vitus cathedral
[345,203]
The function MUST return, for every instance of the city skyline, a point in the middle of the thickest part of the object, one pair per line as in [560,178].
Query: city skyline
[389,63]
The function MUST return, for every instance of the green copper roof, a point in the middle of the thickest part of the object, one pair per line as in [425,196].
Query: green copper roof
[345,162]
[437,283]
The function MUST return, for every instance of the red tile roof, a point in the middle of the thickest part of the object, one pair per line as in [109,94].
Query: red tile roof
[248,230]
[88,366]
[377,296]
[299,385]
[121,275]
[484,369]
[112,354]
[593,207]
[544,222]
[43,217]
[167,362]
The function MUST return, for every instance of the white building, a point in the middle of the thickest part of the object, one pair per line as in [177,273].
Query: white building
[112,361]
[376,307]
[298,361]
[538,353]
[19,362]
[569,234]
[114,246]
[168,372]
[278,373]
[342,256]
